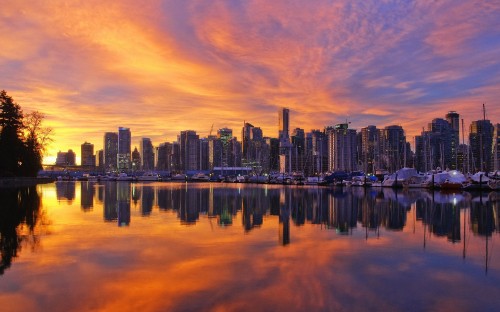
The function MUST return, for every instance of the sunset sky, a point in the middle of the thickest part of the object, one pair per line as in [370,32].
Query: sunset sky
[159,67]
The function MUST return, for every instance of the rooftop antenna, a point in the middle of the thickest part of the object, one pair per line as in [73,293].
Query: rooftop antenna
[484,112]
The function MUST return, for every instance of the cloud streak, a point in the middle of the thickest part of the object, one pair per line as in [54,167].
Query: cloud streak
[168,66]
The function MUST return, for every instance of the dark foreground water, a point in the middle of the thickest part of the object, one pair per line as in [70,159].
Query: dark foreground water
[231,247]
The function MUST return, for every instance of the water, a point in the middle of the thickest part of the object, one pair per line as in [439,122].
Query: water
[231,247]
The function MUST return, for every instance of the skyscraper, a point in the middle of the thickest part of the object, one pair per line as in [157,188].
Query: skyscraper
[110,151]
[284,139]
[367,149]
[453,119]
[342,148]
[124,149]
[147,154]
[392,146]
[496,148]
[88,158]
[284,124]
[481,144]
[189,150]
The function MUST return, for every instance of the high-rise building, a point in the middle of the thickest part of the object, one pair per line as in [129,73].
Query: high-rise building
[225,135]
[318,151]
[214,152]
[124,149]
[342,148]
[441,142]
[163,157]
[147,154]
[204,156]
[189,150]
[298,140]
[481,144]
[136,160]
[88,158]
[367,151]
[284,126]
[496,148]
[453,119]
[285,160]
[274,149]
[110,151]
[99,160]
[392,147]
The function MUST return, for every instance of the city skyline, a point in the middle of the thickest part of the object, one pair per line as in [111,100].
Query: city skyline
[168,66]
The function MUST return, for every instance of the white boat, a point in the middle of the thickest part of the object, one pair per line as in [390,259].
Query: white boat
[200,177]
[399,178]
[178,177]
[124,177]
[454,181]
[313,181]
[148,176]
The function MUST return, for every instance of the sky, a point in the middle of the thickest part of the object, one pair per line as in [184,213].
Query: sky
[160,67]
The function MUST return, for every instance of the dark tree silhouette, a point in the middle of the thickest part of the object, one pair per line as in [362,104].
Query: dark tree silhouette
[22,139]
[11,143]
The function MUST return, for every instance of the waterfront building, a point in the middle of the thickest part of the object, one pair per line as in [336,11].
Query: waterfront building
[481,144]
[66,158]
[392,147]
[124,149]
[225,136]
[110,151]
[214,152]
[176,157]
[285,145]
[136,160]
[204,156]
[147,154]
[254,149]
[298,140]
[88,157]
[189,150]
[163,157]
[453,119]
[99,158]
[368,138]
[342,148]
[318,150]
[273,145]
[441,137]
[496,148]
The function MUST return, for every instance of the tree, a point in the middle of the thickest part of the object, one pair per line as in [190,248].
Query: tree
[11,143]
[22,139]
[36,138]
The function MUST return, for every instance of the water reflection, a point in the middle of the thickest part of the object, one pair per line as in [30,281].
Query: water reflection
[343,210]
[19,216]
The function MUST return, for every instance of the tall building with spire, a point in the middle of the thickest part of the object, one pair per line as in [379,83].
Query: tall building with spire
[284,140]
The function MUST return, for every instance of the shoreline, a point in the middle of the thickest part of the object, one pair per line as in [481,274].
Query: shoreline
[23,181]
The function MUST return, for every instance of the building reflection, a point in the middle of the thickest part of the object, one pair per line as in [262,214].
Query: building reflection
[110,198]
[341,209]
[123,203]
[65,191]
[87,196]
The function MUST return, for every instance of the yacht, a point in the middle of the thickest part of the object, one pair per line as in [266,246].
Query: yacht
[148,176]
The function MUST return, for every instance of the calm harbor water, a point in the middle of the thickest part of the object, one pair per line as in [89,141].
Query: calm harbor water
[80,246]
